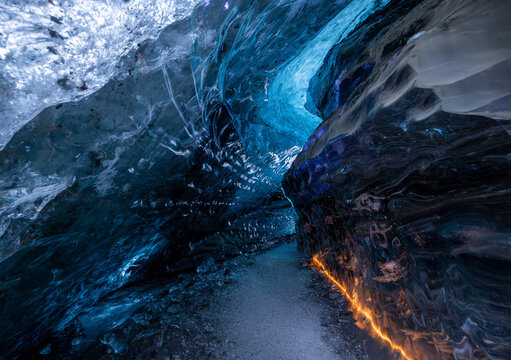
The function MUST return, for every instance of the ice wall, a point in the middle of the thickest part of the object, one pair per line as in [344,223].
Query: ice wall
[144,170]
[142,139]
[404,188]
[286,97]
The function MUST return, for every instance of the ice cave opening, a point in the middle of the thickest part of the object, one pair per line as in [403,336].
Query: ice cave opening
[161,162]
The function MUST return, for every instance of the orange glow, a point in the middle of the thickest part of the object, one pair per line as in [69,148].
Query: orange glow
[360,309]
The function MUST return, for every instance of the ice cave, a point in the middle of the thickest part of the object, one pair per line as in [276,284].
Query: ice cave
[255,179]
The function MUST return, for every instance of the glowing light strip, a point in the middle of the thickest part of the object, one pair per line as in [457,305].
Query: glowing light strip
[359,308]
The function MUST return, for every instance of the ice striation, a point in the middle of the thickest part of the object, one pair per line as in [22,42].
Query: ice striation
[404,188]
[147,145]
[148,173]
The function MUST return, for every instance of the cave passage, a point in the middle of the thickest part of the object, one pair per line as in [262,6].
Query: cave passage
[270,179]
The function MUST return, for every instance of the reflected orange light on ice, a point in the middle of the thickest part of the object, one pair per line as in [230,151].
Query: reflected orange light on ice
[360,309]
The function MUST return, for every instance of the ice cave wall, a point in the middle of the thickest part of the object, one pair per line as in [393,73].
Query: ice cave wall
[170,148]
[404,188]
[130,177]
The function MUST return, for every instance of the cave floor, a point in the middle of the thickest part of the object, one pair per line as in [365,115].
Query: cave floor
[267,305]
[279,308]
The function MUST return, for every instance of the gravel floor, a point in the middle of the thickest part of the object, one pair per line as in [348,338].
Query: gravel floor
[279,308]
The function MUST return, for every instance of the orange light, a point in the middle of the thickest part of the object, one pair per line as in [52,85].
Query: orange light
[360,308]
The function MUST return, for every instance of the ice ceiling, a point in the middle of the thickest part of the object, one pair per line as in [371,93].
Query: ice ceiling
[140,138]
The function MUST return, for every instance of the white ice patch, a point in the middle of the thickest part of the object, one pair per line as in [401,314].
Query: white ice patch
[57,51]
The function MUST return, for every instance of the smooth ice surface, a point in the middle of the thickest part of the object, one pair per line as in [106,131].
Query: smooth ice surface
[287,95]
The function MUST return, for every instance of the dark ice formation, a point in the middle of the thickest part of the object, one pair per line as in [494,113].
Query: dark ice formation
[405,186]
[143,143]
[162,168]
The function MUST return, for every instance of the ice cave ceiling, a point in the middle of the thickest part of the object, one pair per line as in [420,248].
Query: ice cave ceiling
[140,139]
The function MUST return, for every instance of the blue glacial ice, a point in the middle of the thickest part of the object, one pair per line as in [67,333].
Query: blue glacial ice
[146,143]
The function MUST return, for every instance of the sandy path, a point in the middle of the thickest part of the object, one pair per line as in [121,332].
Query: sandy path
[276,311]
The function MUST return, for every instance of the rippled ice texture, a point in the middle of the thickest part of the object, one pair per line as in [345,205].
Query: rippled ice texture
[141,138]
[405,187]
[133,182]
[57,51]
